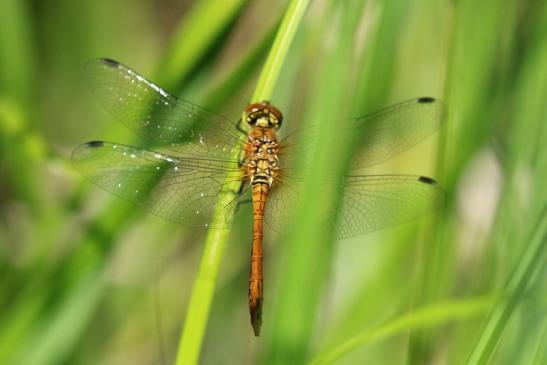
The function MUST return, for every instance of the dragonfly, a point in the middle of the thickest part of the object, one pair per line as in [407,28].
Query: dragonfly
[202,153]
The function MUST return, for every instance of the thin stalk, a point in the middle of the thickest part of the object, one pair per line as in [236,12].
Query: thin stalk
[533,258]
[204,286]
[278,53]
[426,317]
[205,22]
[296,314]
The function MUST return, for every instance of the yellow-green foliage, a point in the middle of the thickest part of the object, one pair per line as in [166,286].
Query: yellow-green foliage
[86,278]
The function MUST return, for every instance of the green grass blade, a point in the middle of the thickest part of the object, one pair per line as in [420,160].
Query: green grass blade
[17,91]
[278,53]
[204,287]
[539,355]
[241,72]
[529,244]
[204,24]
[203,291]
[429,316]
[534,257]
[307,251]
[16,51]
[60,334]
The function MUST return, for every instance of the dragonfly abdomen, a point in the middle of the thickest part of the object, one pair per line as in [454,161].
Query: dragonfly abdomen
[262,168]
[260,194]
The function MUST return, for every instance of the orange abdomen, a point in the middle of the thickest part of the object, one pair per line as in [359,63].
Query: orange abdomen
[260,194]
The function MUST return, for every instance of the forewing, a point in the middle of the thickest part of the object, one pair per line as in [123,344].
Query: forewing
[183,190]
[369,203]
[380,135]
[160,118]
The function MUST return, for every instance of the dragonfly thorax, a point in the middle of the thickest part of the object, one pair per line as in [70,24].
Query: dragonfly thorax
[262,162]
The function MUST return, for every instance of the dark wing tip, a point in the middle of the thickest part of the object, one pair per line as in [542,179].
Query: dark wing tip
[427,180]
[82,150]
[426,100]
[109,62]
[95,144]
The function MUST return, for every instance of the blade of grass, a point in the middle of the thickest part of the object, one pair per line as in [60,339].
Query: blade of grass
[428,316]
[526,148]
[17,73]
[204,284]
[16,51]
[471,65]
[203,290]
[534,257]
[241,72]
[376,67]
[51,344]
[203,25]
[539,355]
[309,234]
[278,53]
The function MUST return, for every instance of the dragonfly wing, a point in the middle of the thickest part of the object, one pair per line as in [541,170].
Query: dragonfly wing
[369,202]
[183,190]
[156,115]
[381,135]
[374,202]
[281,202]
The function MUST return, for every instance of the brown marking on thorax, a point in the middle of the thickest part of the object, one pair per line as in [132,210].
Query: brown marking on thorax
[261,161]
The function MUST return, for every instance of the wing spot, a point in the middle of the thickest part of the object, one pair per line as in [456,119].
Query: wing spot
[110,62]
[427,180]
[426,100]
[96,144]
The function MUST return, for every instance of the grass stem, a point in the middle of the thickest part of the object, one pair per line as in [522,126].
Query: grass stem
[278,53]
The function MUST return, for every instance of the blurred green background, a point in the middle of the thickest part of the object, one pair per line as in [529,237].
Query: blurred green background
[86,278]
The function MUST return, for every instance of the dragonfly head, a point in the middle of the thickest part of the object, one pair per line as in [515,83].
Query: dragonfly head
[263,115]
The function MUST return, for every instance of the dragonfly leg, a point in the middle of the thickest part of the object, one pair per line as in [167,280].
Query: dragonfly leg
[241,202]
[240,128]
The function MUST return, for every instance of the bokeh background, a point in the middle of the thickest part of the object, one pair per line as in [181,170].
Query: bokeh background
[86,278]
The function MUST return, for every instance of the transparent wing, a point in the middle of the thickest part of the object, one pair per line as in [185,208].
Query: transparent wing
[369,202]
[375,202]
[381,135]
[183,190]
[159,117]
